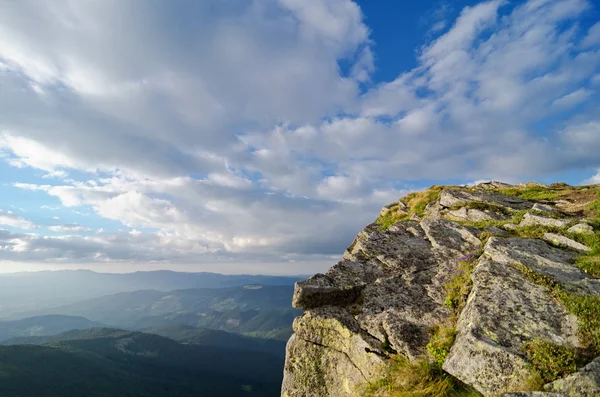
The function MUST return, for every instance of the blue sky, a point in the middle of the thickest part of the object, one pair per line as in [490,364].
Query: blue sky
[260,136]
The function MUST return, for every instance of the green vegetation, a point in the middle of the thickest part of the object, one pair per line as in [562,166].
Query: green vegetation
[390,218]
[458,288]
[425,377]
[534,192]
[551,361]
[418,379]
[440,343]
[106,362]
[416,203]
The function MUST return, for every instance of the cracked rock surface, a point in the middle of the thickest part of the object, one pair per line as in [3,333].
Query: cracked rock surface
[387,294]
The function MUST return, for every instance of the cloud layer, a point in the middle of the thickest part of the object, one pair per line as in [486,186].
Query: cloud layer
[251,130]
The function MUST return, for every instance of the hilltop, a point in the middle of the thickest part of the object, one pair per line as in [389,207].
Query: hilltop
[458,291]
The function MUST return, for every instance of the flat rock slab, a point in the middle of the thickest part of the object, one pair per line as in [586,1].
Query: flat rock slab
[320,290]
[566,242]
[585,383]
[473,215]
[536,220]
[457,197]
[487,353]
[543,258]
[543,208]
[582,228]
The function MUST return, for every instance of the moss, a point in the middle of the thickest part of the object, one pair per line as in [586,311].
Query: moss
[441,341]
[418,379]
[551,361]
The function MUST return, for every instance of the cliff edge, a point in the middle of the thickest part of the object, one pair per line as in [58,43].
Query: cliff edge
[487,290]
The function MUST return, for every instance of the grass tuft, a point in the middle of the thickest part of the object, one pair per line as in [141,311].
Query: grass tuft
[441,341]
[418,379]
[458,288]
[551,361]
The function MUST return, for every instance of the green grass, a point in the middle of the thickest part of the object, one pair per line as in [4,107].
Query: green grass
[552,361]
[390,218]
[418,379]
[416,203]
[458,288]
[441,341]
[533,193]
[595,205]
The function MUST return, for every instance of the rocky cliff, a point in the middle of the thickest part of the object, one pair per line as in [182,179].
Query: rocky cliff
[488,290]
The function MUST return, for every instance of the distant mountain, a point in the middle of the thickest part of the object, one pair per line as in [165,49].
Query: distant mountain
[184,334]
[25,292]
[103,362]
[263,311]
[43,325]
[209,337]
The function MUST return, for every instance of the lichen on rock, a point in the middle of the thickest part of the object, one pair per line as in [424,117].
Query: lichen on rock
[389,295]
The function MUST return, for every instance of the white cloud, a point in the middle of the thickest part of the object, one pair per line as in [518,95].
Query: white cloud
[74,228]
[237,135]
[593,180]
[8,218]
[573,98]
[593,37]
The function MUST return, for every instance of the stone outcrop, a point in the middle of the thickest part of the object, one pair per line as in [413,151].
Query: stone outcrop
[389,293]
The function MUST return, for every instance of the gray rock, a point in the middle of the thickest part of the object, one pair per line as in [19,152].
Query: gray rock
[493,185]
[389,291]
[543,208]
[496,231]
[400,274]
[563,241]
[585,383]
[473,215]
[582,228]
[320,290]
[457,197]
[542,258]
[487,352]
[535,220]
[510,226]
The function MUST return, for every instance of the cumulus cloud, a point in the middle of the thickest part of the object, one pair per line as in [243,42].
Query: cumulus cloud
[228,129]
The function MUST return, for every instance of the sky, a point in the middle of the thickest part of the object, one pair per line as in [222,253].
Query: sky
[260,136]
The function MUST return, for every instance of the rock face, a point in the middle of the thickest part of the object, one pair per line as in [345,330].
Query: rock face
[389,292]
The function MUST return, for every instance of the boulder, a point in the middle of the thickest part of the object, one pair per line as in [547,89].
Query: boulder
[581,228]
[566,242]
[543,208]
[536,220]
[473,215]
[459,197]
[487,353]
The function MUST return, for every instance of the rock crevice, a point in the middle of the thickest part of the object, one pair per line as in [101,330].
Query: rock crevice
[389,293]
